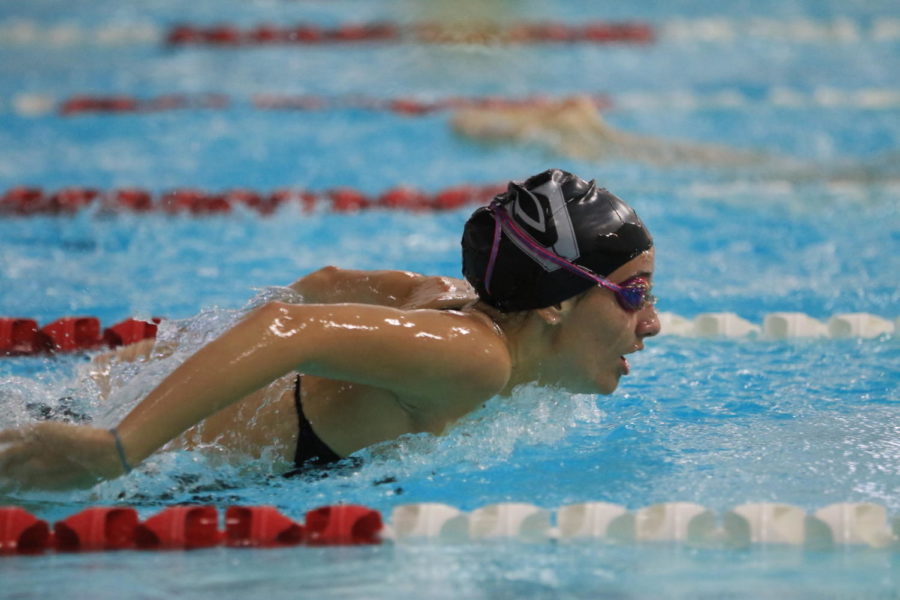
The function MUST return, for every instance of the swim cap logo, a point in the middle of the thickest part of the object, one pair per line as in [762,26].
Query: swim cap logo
[542,213]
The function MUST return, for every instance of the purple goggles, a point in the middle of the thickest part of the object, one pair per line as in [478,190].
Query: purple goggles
[632,295]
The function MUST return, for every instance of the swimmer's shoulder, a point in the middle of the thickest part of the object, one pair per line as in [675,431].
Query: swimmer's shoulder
[477,364]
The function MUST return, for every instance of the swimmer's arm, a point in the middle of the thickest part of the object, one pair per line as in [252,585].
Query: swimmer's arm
[399,289]
[427,356]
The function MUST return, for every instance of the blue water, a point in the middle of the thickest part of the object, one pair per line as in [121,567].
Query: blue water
[715,422]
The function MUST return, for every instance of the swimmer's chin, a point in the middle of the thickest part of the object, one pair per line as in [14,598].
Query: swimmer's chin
[604,387]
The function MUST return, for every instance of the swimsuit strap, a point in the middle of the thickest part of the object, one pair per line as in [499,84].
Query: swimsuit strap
[311,450]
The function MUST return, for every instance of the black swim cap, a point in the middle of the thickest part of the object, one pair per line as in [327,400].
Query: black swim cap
[565,215]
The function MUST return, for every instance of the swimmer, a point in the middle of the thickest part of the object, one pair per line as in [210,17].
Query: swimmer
[560,274]
[573,128]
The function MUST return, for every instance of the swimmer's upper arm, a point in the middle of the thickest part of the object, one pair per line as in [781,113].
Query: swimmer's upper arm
[419,354]
[423,356]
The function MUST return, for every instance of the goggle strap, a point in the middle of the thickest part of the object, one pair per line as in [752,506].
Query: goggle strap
[510,225]
[489,272]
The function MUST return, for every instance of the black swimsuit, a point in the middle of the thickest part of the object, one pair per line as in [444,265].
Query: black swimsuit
[311,451]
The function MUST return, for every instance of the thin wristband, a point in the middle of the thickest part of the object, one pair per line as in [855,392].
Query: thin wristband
[121,450]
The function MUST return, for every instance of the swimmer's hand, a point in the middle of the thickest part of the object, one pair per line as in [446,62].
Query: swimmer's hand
[440,293]
[397,289]
[56,456]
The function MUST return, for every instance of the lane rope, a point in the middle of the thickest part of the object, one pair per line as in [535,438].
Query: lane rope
[22,336]
[596,32]
[409,106]
[18,31]
[28,201]
[99,529]
[32,105]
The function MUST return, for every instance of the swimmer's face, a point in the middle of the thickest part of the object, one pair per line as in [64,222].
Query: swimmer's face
[594,333]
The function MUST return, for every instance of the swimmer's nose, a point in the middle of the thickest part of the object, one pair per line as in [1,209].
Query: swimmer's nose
[648,323]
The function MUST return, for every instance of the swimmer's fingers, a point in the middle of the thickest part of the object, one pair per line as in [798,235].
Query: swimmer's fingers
[16,450]
[440,293]
[56,456]
[137,351]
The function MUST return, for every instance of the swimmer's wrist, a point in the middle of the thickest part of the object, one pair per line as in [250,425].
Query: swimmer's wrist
[120,451]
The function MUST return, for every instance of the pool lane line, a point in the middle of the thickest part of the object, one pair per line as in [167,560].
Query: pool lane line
[22,336]
[480,33]
[713,30]
[187,527]
[409,105]
[31,105]
[24,201]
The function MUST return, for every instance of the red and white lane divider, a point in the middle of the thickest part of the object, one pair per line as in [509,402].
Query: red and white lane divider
[17,31]
[34,105]
[409,106]
[101,529]
[24,337]
[595,32]
[25,201]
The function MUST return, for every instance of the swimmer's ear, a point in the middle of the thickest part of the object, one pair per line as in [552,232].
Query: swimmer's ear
[554,314]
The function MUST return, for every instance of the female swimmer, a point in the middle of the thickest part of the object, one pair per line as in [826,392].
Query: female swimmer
[562,271]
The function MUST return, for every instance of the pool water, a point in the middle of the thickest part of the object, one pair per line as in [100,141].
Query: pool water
[713,421]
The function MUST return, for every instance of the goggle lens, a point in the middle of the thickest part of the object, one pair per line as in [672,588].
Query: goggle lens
[634,294]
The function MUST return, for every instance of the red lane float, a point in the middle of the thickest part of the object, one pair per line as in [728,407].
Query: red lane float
[129,331]
[73,333]
[23,202]
[21,532]
[597,32]
[180,528]
[23,337]
[343,525]
[260,526]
